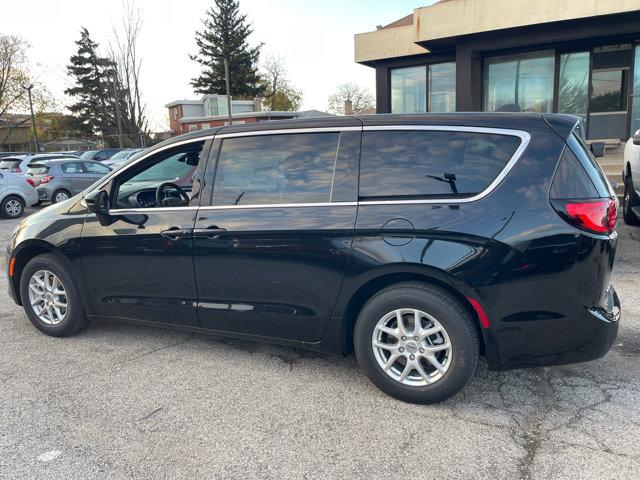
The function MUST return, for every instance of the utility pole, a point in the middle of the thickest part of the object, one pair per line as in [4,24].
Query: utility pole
[226,79]
[116,99]
[33,117]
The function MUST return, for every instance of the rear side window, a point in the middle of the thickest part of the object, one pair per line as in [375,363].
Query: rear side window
[73,167]
[432,163]
[590,165]
[571,180]
[270,169]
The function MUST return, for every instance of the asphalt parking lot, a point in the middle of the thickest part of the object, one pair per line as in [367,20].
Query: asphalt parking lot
[123,401]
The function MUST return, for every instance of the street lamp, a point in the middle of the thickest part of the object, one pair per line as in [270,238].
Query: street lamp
[33,117]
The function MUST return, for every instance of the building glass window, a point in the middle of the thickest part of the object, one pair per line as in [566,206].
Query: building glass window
[524,79]
[409,90]
[635,102]
[442,87]
[573,84]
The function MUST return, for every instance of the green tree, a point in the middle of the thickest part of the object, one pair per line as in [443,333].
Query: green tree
[93,89]
[225,35]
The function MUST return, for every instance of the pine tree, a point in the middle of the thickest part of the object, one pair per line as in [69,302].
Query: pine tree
[92,94]
[225,36]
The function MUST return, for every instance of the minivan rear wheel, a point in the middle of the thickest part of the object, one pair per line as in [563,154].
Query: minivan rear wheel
[630,201]
[416,342]
[60,196]
[12,206]
[51,298]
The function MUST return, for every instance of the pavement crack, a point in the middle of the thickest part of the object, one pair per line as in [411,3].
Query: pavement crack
[532,440]
[146,417]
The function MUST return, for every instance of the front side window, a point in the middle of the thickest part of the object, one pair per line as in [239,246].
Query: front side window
[272,169]
[431,163]
[142,184]
[96,168]
[525,80]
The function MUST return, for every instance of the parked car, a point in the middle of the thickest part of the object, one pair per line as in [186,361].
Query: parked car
[15,194]
[420,241]
[12,154]
[58,180]
[631,179]
[19,164]
[100,155]
[122,156]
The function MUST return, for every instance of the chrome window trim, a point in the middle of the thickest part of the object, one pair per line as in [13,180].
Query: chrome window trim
[289,131]
[525,138]
[280,205]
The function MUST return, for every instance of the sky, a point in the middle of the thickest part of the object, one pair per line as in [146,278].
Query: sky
[314,37]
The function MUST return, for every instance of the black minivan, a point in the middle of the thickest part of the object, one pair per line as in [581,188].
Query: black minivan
[420,241]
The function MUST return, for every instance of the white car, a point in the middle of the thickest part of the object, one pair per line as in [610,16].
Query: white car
[16,192]
[19,163]
[631,179]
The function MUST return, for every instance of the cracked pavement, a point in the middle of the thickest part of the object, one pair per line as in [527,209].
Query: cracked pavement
[125,401]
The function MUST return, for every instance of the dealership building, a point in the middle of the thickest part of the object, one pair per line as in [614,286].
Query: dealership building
[571,56]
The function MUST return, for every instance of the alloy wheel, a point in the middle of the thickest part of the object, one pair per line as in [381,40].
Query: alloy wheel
[48,297]
[412,347]
[13,207]
[61,197]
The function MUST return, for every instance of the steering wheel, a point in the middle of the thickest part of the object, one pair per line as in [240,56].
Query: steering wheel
[162,201]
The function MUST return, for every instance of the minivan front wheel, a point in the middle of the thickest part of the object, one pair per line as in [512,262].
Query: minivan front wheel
[416,342]
[51,298]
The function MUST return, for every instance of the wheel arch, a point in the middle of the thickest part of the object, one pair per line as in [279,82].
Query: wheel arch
[27,251]
[382,279]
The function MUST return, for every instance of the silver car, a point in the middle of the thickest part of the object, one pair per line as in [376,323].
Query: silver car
[16,192]
[61,179]
[20,163]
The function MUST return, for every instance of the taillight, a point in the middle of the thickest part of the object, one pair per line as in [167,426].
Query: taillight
[593,215]
[46,179]
[16,170]
[31,182]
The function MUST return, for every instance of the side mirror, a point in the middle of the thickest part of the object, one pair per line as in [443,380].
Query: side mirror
[597,148]
[97,202]
[636,138]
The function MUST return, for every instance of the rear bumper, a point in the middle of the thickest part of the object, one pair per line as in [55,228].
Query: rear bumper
[588,335]
[43,194]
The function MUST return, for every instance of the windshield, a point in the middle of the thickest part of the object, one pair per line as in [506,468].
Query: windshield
[121,155]
[9,164]
[38,170]
[88,154]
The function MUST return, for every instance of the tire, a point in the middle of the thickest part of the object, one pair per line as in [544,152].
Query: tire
[460,331]
[12,206]
[74,318]
[630,200]
[60,192]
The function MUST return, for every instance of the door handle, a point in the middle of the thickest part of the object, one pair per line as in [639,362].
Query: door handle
[175,233]
[211,232]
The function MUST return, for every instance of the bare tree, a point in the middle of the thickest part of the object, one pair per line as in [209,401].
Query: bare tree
[361,99]
[124,54]
[278,91]
[14,77]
